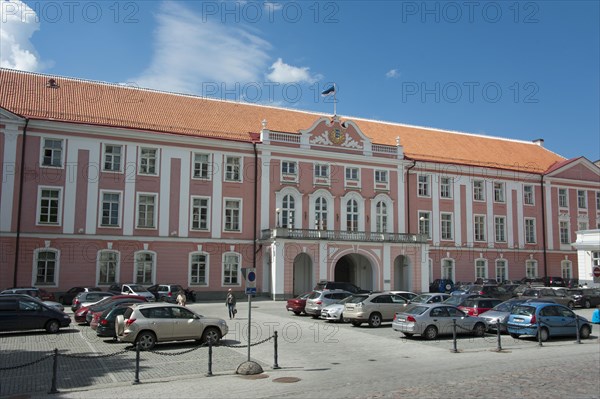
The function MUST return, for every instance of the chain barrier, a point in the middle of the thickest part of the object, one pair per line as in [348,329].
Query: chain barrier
[93,357]
[246,345]
[27,364]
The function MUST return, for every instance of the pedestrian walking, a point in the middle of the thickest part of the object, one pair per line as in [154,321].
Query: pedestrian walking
[230,303]
[181,298]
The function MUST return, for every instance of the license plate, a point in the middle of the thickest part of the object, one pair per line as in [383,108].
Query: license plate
[401,319]
[518,320]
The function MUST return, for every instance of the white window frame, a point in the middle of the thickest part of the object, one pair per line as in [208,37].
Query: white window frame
[481,265]
[321,174]
[530,231]
[531,268]
[381,176]
[499,192]
[382,218]
[321,215]
[352,216]
[206,269]
[121,158]
[101,209]
[238,266]
[226,210]
[582,201]
[528,196]
[503,267]
[61,151]
[564,232]
[479,228]
[563,193]
[566,269]
[192,216]
[424,185]
[500,234]
[289,168]
[99,265]
[444,229]
[478,190]
[582,225]
[597,201]
[448,264]
[288,211]
[446,187]
[424,224]
[205,166]
[136,264]
[233,170]
[58,207]
[154,214]
[354,173]
[36,260]
[142,157]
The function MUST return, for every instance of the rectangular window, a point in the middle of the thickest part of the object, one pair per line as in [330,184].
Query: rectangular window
[111,209]
[566,269]
[200,213]
[233,168]
[597,201]
[478,190]
[423,187]
[565,234]
[381,176]
[232,215]
[425,224]
[530,231]
[531,269]
[500,228]
[447,228]
[501,270]
[112,158]
[528,198]
[563,198]
[446,187]
[322,171]
[289,168]
[146,211]
[46,263]
[480,269]
[352,174]
[583,225]
[107,265]
[52,152]
[198,270]
[49,206]
[499,192]
[230,269]
[479,227]
[581,199]
[148,160]
[202,166]
[144,267]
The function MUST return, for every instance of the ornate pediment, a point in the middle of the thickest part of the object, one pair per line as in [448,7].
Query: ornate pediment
[332,132]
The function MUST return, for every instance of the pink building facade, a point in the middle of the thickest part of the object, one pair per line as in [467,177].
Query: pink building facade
[90,202]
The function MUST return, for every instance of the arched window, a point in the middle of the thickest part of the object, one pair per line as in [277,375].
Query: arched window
[321,213]
[501,270]
[144,267]
[231,268]
[448,268]
[352,215]
[480,268]
[288,209]
[107,267]
[46,266]
[381,215]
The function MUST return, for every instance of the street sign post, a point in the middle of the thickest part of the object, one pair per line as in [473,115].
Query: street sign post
[250,274]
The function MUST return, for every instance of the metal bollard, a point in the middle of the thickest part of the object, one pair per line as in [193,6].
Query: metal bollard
[136,380]
[209,373]
[275,365]
[54,373]
[454,349]
[577,327]
[499,348]
[539,332]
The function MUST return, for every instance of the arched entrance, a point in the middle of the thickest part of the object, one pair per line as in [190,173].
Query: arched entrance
[355,269]
[302,274]
[402,273]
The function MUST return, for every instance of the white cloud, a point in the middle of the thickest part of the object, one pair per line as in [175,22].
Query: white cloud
[18,22]
[190,53]
[284,73]
[392,73]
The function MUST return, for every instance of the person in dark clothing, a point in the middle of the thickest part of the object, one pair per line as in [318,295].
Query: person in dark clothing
[230,303]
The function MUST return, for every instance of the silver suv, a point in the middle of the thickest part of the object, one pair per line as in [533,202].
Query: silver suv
[373,308]
[318,299]
[148,323]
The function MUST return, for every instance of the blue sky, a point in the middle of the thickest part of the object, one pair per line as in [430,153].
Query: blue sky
[522,70]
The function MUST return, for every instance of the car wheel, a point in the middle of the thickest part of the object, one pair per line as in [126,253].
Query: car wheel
[341,319]
[515,336]
[52,326]
[448,287]
[430,332]
[211,334]
[544,334]
[146,340]
[297,313]
[374,320]
[585,331]
[587,304]
[479,330]
[163,299]
[356,323]
[571,305]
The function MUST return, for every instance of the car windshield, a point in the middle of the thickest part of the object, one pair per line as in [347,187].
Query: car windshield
[523,310]
[137,288]
[423,298]
[314,295]
[347,299]
[417,310]
[506,306]
[176,288]
[454,300]
[357,298]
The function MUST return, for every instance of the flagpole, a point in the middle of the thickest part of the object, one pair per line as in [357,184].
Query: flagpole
[334,100]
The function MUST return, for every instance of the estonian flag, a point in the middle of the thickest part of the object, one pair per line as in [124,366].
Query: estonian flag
[329,91]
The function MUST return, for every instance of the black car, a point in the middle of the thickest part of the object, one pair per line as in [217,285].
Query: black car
[554,282]
[491,291]
[441,285]
[339,285]
[19,313]
[585,297]
[67,297]
[106,323]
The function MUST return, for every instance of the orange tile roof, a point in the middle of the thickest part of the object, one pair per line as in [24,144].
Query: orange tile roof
[97,103]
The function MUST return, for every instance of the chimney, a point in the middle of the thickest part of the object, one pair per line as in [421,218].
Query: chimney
[539,142]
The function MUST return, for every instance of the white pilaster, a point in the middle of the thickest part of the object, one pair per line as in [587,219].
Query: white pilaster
[435,209]
[184,196]
[457,216]
[129,194]
[164,202]
[489,197]
[265,189]
[70,194]
[94,170]
[549,219]
[401,210]
[9,170]
[217,205]
[469,211]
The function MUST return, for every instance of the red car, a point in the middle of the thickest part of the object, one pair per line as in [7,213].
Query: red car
[297,304]
[81,316]
[477,306]
[96,316]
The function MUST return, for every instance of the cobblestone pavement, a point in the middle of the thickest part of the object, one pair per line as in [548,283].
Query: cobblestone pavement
[314,356]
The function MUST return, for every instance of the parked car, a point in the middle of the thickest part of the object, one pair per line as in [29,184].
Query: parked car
[441,285]
[491,291]
[335,311]
[404,294]
[52,304]
[553,320]
[88,298]
[429,298]
[457,300]
[373,308]
[558,296]
[477,306]
[166,292]
[318,299]
[338,285]
[533,281]
[113,301]
[137,289]
[35,292]
[486,281]
[67,297]
[501,312]
[106,322]
[18,313]
[296,305]
[148,323]
[81,315]
[432,320]
[94,317]
[554,282]
[585,297]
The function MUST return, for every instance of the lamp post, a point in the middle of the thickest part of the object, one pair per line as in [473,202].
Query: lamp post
[277,211]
